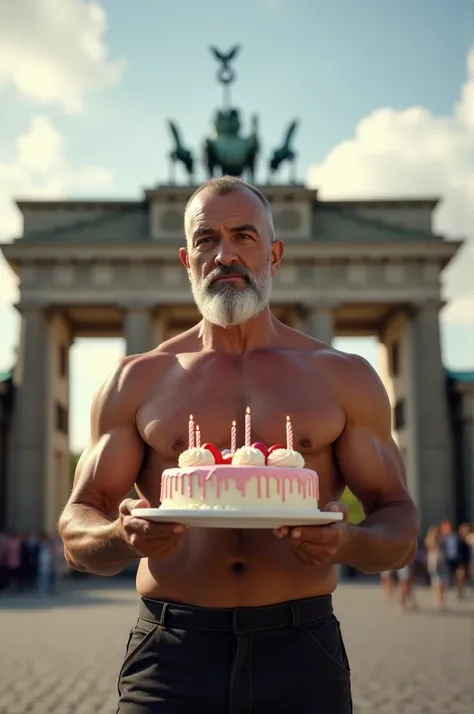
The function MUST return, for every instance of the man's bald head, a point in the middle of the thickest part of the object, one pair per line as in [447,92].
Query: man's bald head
[223,185]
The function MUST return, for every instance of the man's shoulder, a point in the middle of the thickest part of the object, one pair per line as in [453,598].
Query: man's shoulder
[351,365]
[355,383]
[153,364]
[328,357]
[132,373]
[350,375]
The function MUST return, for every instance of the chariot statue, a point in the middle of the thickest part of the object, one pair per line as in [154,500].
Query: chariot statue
[227,150]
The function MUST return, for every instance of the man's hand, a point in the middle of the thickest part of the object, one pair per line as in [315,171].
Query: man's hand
[148,539]
[317,545]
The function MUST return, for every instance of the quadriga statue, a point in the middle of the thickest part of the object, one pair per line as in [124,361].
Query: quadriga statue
[226,150]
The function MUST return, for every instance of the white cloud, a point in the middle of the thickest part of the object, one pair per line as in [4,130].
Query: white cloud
[53,51]
[461,311]
[37,168]
[413,152]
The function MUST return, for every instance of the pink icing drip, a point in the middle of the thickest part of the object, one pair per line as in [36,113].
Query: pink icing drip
[307,483]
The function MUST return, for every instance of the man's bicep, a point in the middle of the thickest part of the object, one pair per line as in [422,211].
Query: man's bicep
[368,457]
[373,471]
[110,464]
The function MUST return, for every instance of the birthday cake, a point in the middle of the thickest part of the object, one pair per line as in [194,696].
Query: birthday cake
[253,477]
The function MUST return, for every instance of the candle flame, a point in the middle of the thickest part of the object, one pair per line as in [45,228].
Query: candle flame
[287,418]
[197,428]
[234,423]
[191,417]
[247,411]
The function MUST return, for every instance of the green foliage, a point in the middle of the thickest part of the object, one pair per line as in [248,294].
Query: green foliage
[356,512]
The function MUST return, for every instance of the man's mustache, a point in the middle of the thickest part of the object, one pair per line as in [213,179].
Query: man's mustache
[229,270]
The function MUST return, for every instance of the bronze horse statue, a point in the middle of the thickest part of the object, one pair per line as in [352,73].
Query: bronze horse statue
[284,152]
[180,153]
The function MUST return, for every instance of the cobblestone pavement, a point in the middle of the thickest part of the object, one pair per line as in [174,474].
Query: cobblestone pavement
[61,655]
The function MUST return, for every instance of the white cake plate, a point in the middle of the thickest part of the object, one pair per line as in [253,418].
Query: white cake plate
[275,518]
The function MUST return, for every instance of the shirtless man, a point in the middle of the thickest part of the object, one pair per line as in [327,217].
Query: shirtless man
[237,620]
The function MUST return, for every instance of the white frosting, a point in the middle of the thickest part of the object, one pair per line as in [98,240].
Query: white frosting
[196,457]
[286,457]
[248,456]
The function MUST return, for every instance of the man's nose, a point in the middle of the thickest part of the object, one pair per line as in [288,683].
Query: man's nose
[226,254]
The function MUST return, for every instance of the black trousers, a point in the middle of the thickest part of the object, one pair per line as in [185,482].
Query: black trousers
[280,659]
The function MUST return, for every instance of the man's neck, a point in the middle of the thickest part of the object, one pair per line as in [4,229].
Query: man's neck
[252,335]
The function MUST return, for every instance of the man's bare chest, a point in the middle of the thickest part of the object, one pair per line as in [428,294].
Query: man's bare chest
[218,394]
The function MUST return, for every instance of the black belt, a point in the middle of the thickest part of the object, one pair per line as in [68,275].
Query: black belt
[240,619]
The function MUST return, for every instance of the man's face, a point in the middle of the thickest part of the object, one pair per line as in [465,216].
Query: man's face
[230,256]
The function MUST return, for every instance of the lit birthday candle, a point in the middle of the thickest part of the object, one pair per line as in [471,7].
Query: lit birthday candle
[248,427]
[198,436]
[191,432]
[233,438]
[289,434]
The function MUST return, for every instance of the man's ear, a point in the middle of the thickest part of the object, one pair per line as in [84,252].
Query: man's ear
[277,248]
[183,256]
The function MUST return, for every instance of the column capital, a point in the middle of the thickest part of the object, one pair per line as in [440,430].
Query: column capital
[136,306]
[29,306]
[138,328]
[325,305]
[318,321]
[432,304]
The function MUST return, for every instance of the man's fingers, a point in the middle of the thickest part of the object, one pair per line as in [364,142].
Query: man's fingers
[324,535]
[142,527]
[165,530]
[337,507]
[129,504]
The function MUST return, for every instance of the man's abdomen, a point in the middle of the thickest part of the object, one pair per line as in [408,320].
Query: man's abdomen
[233,569]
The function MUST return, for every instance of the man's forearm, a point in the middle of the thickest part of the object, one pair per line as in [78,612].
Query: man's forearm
[91,542]
[386,540]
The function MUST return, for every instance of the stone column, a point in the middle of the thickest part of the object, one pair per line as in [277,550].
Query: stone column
[139,329]
[435,449]
[58,475]
[318,322]
[160,326]
[417,387]
[27,468]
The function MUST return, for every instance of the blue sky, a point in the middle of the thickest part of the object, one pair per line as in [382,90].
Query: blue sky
[329,63]
[100,83]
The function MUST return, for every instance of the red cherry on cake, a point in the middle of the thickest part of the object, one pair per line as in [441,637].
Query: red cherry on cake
[275,447]
[215,452]
[261,447]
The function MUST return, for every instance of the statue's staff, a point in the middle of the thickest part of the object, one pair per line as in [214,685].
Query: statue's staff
[226,74]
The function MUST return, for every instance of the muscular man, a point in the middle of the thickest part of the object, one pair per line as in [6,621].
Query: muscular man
[237,620]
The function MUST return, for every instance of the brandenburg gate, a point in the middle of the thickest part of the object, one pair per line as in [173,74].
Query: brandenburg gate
[110,268]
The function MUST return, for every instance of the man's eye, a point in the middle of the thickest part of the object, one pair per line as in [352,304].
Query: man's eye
[200,241]
[244,236]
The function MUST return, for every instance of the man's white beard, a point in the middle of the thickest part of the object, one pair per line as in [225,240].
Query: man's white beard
[226,305]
